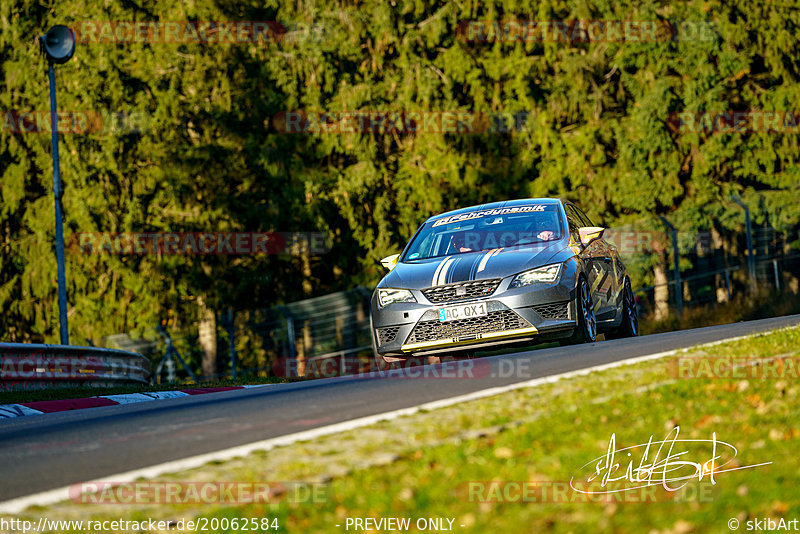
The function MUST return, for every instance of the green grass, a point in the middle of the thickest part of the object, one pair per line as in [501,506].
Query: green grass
[420,466]
[759,417]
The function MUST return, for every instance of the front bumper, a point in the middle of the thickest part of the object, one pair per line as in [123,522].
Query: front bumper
[527,313]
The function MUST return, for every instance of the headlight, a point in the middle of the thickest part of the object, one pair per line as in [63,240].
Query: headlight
[547,274]
[388,296]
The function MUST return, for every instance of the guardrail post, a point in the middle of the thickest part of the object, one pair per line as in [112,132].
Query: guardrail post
[170,369]
[171,353]
[292,341]
[751,259]
[728,282]
[232,345]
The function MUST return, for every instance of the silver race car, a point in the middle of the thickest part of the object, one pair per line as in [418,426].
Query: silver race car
[520,271]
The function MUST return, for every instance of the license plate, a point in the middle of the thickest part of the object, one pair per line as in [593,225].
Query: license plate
[465,311]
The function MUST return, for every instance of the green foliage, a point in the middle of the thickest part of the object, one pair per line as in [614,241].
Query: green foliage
[207,155]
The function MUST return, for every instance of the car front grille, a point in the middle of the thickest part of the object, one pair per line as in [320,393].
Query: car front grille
[461,290]
[387,334]
[558,310]
[464,329]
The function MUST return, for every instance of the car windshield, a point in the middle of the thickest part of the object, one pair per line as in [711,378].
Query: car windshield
[479,230]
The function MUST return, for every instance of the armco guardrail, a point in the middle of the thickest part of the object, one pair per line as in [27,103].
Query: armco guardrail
[31,366]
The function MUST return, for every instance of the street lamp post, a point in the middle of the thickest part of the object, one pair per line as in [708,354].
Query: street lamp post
[58,45]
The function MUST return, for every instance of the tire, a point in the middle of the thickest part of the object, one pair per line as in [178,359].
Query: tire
[629,327]
[586,329]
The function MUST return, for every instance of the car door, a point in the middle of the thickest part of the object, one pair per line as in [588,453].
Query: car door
[611,258]
[600,260]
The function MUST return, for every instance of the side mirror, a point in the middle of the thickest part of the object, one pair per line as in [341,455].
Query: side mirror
[390,261]
[589,234]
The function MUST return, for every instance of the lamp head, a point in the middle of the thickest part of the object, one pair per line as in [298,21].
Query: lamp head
[58,44]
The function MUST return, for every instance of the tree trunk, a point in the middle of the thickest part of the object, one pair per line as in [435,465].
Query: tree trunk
[308,339]
[661,291]
[718,250]
[790,281]
[305,256]
[308,343]
[207,334]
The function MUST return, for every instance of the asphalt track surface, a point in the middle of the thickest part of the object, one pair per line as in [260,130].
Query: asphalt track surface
[42,452]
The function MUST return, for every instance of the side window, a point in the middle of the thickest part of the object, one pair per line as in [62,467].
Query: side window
[424,249]
[586,220]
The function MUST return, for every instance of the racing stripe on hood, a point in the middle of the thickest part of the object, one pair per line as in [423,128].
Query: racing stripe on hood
[448,269]
[440,275]
[463,268]
[438,270]
[485,259]
[489,255]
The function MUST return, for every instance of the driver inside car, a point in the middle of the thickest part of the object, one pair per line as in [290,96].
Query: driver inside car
[544,229]
[457,243]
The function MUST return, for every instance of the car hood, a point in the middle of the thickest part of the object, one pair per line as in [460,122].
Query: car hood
[496,263]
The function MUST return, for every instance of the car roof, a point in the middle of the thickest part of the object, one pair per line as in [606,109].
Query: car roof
[500,204]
